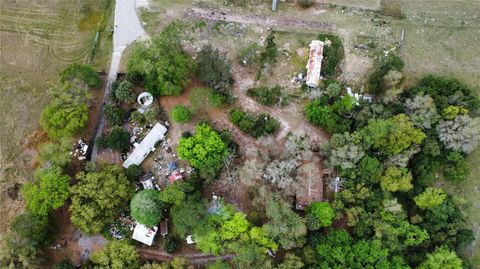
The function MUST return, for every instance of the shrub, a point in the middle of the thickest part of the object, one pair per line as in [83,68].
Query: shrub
[201,98]
[332,55]
[133,172]
[305,3]
[181,114]
[118,139]
[124,92]
[151,115]
[214,70]
[82,72]
[163,65]
[170,244]
[376,81]
[256,126]
[114,114]
[138,117]
[146,207]
[269,97]
[65,264]
[250,55]
[269,55]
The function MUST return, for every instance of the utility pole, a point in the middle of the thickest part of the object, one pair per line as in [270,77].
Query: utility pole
[274,5]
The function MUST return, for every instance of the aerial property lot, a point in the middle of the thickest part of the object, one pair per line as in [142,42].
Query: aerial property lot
[324,134]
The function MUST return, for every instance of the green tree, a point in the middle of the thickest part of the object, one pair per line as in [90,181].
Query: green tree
[290,262]
[67,114]
[284,225]
[176,193]
[214,70]
[138,117]
[396,179]
[21,246]
[114,114]
[234,227]
[98,197]
[181,114]
[456,168]
[151,115]
[147,208]
[392,135]
[116,255]
[133,172]
[188,215]
[441,258]
[49,191]
[82,72]
[430,198]
[451,112]
[163,64]
[124,92]
[65,264]
[319,214]
[269,55]
[204,151]
[118,139]
[56,154]
[218,264]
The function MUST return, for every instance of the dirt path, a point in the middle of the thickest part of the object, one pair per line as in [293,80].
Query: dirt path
[211,14]
[193,258]
[291,118]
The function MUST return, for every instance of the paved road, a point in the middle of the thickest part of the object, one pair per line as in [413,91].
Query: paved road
[127,29]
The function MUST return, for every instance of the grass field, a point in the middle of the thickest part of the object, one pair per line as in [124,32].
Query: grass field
[38,39]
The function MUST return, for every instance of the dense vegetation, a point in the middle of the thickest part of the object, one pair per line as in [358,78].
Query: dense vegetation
[181,114]
[205,150]
[270,96]
[256,126]
[214,71]
[387,154]
[332,54]
[163,65]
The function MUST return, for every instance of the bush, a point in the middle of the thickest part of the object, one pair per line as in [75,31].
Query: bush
[181,114]
[146,207]
[376,81]
[163,65]
[151,115]
[214,70]
[250,55]
[114,114]
[82,72]
[256,126]
[305,3]
[133,172]
[65,264]
[124,92]
[138,117]
[332,55]
[269,97]
[118,139]
[170,244]
[269,55]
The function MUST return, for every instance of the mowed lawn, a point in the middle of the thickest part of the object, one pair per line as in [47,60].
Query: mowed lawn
[38,39]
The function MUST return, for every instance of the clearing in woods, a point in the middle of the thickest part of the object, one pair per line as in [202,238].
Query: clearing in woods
[38,39]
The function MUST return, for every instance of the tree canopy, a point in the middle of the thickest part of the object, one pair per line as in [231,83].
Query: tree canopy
[50,191]
[205,150]
[98,197]
[162,63]
[146,207]
[116,255]
[319,214]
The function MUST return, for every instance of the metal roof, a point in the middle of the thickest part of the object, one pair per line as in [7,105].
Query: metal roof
[147,145]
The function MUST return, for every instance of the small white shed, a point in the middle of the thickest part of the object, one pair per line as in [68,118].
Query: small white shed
[144,234]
